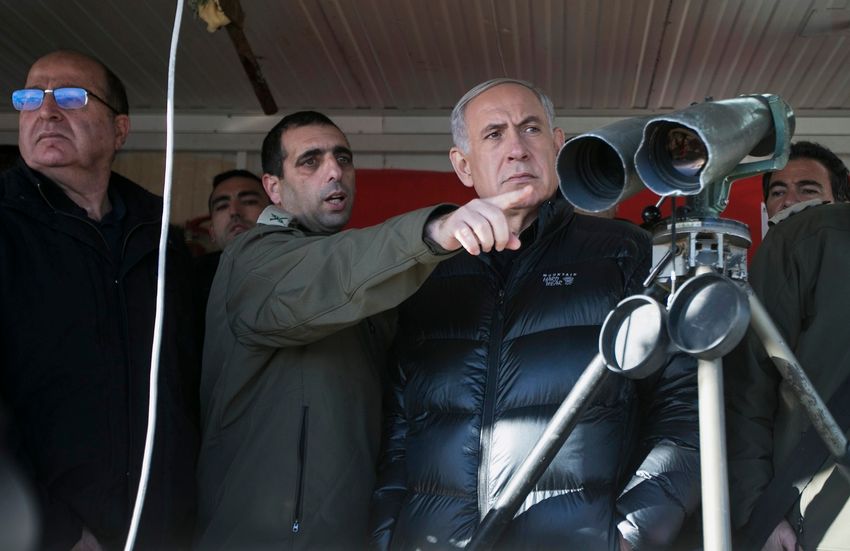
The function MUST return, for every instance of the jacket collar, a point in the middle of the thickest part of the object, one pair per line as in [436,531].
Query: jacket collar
[53,195]
[31,191]
[553,213]
[273,215]
[34,194]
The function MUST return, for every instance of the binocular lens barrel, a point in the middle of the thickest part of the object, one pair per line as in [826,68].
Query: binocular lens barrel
[674,156]
[596,168]
[687,153]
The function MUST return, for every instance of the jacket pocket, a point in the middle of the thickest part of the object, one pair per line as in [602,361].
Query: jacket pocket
[302,467]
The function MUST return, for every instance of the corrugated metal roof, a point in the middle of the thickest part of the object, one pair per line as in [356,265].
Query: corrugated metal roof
[420,56]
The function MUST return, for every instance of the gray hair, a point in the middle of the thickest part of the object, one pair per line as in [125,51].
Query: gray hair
[460,133]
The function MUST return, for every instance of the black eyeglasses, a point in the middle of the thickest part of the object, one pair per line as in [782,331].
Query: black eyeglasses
[30,99]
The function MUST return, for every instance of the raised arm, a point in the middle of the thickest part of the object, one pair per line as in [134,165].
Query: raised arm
[287,289]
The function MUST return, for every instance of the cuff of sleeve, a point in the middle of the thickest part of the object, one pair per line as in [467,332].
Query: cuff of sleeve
[650,518]
[433,246]
[630,533]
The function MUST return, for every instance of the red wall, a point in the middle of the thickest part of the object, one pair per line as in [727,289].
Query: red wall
[382,194]
[385,193]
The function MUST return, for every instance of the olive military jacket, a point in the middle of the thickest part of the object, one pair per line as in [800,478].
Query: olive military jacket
[291,384]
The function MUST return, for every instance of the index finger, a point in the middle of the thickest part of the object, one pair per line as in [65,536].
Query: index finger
[517,198]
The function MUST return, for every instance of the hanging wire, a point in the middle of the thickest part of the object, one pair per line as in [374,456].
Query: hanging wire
[144,476]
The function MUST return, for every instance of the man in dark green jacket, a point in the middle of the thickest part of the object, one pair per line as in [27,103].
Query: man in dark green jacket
[295,342]
[800,273]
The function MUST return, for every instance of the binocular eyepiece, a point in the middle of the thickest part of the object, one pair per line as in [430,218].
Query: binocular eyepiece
[675,154]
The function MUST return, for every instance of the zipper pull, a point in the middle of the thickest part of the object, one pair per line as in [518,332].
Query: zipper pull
[296,526]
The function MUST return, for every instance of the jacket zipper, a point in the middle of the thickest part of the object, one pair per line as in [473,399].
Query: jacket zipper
[302,466]
[494,355]
[489,406]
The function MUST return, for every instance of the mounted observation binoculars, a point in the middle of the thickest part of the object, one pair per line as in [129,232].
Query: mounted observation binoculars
[692,152]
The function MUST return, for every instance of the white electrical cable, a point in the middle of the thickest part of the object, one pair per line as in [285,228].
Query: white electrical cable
[160,285]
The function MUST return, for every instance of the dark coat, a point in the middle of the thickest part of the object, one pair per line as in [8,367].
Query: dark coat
[76,328]
[800,275]
[203,272]
[487,350]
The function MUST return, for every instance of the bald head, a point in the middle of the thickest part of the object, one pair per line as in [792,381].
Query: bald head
[74,146]
[107,83]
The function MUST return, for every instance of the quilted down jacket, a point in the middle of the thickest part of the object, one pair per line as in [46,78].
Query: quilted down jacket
[487,350]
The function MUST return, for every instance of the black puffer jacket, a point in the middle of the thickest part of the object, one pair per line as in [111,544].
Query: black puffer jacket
[487,350]
[76,329]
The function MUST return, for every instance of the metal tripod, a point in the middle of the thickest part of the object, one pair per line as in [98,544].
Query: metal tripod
[707,317]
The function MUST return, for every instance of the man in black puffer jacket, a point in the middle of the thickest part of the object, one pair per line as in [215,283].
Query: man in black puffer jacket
[490,346]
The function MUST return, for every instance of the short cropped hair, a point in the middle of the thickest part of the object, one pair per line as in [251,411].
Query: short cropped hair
[235,173]
[273,154]
[834,166]
[460,132]
[116,94]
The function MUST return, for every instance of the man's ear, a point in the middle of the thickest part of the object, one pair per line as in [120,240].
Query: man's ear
[461,166]
[271,184]
[121,124]
[559,138]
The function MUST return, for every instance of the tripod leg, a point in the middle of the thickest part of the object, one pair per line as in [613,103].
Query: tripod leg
[790,369]
[712,443]
[540,456]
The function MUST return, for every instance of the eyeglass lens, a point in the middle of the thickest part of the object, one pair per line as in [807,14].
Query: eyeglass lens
[66,98]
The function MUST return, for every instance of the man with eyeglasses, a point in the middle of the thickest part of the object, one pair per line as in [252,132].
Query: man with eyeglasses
[78,263]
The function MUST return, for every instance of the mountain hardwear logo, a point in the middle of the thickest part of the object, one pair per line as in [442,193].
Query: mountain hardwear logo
[558,279]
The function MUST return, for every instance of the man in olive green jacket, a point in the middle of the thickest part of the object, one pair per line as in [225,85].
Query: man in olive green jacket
[297,329]
[801,275]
